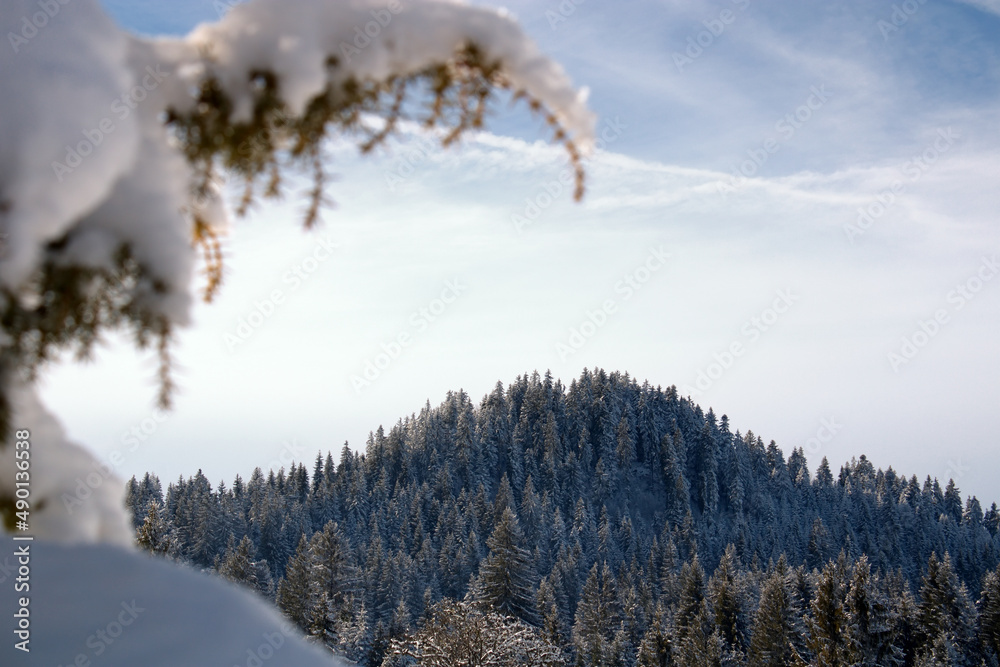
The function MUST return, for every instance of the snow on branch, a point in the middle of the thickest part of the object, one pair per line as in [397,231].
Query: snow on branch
[111,146]
[458,634]
[258,91]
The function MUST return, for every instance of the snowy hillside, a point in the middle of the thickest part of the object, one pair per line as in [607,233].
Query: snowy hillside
[620,519]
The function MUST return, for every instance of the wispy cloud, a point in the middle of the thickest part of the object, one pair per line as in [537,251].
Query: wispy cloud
[783,225]
[991,6]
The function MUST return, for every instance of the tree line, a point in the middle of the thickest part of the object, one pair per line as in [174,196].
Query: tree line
[604,523]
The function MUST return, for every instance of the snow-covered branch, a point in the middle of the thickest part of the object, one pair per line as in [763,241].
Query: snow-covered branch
[110,146]
[459,635]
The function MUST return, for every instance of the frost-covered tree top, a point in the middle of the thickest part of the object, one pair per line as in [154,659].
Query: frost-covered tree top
[111,146]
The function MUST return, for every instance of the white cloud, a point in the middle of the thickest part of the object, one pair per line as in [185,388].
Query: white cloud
[782,228]
[991,6]
[526,291]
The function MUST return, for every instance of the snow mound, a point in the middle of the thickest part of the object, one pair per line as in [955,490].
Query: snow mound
[118,607]
[73,496]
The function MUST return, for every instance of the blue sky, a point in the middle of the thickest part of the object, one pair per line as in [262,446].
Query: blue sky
[747,163]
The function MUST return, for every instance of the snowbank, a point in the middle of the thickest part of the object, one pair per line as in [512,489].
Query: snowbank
[73,496]
[118,607]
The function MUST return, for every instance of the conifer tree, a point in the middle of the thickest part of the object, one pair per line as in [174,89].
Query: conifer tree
[239,565]
[156,535]
[945,624]
[692,582]
[319,627]
[625,449]
[504,499]
[596,618]
[989,615]
[706,465]
[333,570]
[824,477]
[775,625]
[697,643]
[726,595]
[355,637]
[552,626]
[628,637]
[991,520]
[134,502]
[818,543]
[607,544]
[871,622]
[507,577]
[295,597]
[828,620]
[669,575]
[656,649]
[677,489]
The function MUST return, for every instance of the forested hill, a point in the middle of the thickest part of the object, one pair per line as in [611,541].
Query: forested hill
[605,471]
